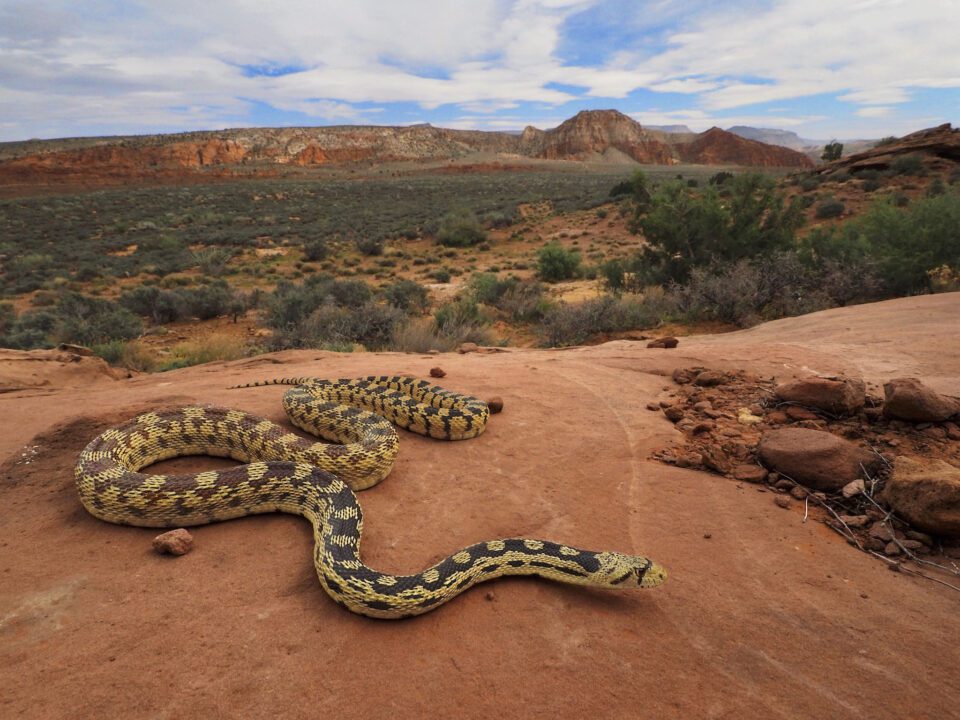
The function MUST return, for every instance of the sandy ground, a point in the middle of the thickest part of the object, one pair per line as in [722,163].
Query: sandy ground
[768,616]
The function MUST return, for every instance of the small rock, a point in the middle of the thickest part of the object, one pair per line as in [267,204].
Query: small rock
[707,536]
[684,376]
[692,460]
[783,484]
[745,417]
[750,473]
[835,395]
[710,378]
[489,596]
[909,399]
[938,433]
[653,406]
[666,403]
[911,544]
[703,406]
[798,492]
[673,413]
[920,537]
[730,432]
[881,531]
[856,521]
[702,427]
[815,458]
[437,372]
[891,548]
[665,342]
[713,414]
[953,431]
[714,460]
[174,542]
[854,488]
[795,412]
[75,349]
[776,417]
[495,404]
[467,347]
[782,501]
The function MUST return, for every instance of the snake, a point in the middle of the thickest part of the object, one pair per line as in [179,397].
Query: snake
[284,472]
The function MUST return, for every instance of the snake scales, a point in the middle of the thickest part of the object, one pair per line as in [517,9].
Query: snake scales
[286,473]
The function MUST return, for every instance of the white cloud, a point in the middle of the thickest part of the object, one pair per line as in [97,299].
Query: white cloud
[874,111]
[107,65]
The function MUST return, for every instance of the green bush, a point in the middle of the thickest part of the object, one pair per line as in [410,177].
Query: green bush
[316,249]
[210,301]
[902,244]
[907,165]
[829,208]
[91,321]
[29,330]
[212,261]
[161,306]
[460,229]
[720,178]
[370,245]
[685,229]
[566,324]
[556,263]
[408,295]
[334,327]
[162,255]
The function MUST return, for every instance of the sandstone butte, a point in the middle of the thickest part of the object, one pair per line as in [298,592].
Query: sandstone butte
[763,615]
[590,135]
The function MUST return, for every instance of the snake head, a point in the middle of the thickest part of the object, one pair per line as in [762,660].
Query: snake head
[617,569]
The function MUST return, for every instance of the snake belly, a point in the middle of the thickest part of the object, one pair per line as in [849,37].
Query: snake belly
[286,473]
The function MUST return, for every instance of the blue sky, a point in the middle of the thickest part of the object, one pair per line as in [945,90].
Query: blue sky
[859,69]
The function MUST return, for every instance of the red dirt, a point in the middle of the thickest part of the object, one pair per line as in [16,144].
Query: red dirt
[767,617]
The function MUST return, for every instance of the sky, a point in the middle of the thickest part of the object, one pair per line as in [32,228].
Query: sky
[823,69]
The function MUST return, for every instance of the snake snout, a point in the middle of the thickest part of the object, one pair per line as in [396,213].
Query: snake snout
[651,575]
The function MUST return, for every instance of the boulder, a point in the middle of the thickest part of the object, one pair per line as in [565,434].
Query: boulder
[909,399]
[815,458]
[667,343]
[835,395]
[925,493]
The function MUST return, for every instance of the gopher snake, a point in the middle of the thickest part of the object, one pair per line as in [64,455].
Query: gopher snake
[285,473]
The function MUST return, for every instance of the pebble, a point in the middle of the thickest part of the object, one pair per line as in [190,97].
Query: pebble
[710,378]
[673,413]
[702,427]
[495,404]
[854,488]
[798,492]
[438,372]
[174,542]
[653,406]
[782,501]
[750,473]
[467,347]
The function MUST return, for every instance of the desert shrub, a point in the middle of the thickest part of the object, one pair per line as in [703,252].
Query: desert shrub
[212,261]
[335,327]
[685,229]
[954,177]
[832,151]
[316,249]
[902,245]
[291,304]
[614,275]
[421,335]
[211,300]
[907,165]
[488,289]
[497,219]
[936,188]
[601,213]
[870,185]
[900,199]
[8,316]
[90,321]
[720,178]
[407,295]
[29,330]
[525,301]
[214,348]
[27,272]
[555,263]
[456,314]
[162,255]
[441,275]
[810,183]
[747,291]
[829,208]
[637,188]
[888,140]
[161,306]
[460,229]
[370,245]
[575,323]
